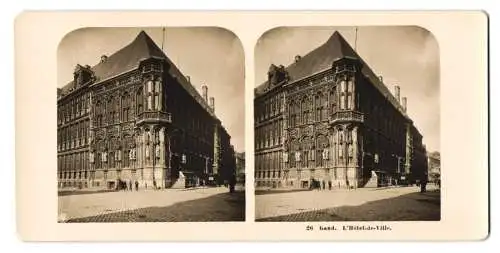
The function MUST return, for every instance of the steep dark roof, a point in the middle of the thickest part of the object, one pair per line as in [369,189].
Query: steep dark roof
[322,58]
[129,57]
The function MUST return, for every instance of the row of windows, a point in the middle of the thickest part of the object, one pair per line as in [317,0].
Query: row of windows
[73,175]
[197,122]
[269,108]
[76,107]
[271,161]
[114,159]
[115,110]
[73,136]
[307,111]
[278,174]
[74,162]
[268,174]
[269,135]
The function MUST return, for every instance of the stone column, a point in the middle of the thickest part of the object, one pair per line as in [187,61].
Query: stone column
[352,88]
[161,163]
[355,153]
[160,95]
[144,147]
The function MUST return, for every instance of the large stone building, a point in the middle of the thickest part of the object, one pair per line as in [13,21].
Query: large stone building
[328,117]
[135,117]
[240,167]
[434,166]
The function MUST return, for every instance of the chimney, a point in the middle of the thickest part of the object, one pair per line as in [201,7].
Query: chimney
[204,92]
[404,104]
[396,93]
[297,58]
[104,58]
[381,79]
[212,103]
[188,78]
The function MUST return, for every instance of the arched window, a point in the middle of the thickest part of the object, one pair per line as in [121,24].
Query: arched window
[110,109]
[296,111]
[321,150]
[126,115]
[343,95]
[319,106]
[139,99]
[304,105]
[150,95]
[157,94]
[349,94]
[127,141]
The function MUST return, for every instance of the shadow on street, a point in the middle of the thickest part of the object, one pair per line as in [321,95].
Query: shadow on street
[409,207]
[273,191]
[219,207]
[82,192]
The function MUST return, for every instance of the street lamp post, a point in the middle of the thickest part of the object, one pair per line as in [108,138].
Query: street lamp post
[398,158]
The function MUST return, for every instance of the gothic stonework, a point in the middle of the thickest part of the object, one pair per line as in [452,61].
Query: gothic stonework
[340,124]
[116,124]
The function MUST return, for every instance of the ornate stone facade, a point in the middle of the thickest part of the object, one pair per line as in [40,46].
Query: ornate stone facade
[332,121]
[133,125]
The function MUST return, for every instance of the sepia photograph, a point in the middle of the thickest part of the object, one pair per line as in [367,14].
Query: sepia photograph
[275,126]
[150,125]
[347,124]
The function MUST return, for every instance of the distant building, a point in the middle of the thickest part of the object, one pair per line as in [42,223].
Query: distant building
[328,117]
[135,117]
[240,166]
[434,165]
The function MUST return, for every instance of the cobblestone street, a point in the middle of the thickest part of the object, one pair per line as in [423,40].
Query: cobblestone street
[386,204]
[171,205]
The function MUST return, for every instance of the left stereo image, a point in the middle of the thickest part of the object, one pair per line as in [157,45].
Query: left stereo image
[150,125]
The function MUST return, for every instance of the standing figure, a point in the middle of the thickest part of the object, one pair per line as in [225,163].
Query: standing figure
[323,184]
[232,183]
[130,185]
[136,186]
[330,185]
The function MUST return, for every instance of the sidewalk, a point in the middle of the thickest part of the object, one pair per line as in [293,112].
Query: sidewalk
[272,205]
[86,205]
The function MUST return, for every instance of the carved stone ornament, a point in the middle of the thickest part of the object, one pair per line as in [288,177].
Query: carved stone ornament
[297,156]
[157,152]
[285,157]
[326,154]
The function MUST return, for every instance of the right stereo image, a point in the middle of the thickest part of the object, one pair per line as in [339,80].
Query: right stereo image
[347,124]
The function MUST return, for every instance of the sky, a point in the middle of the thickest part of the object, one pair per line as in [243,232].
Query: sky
[209,55]
[407,56]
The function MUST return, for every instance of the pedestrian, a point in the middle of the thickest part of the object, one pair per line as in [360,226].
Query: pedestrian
[423,184]
[130,185]
[323,184]
[329,185]
[136,186]
[232,183]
